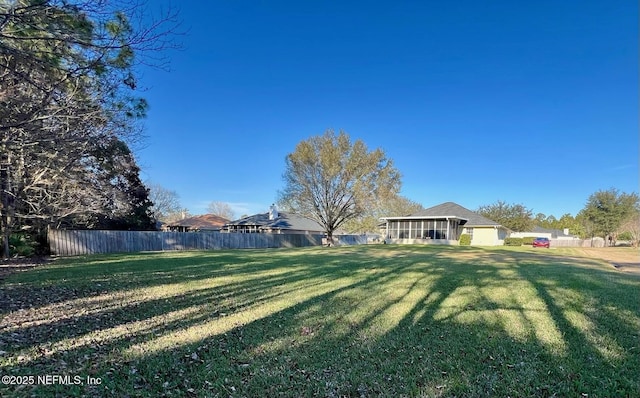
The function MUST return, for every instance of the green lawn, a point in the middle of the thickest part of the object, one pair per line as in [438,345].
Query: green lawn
[360,321]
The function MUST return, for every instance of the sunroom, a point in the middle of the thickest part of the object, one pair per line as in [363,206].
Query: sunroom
[420,228]
[443,224]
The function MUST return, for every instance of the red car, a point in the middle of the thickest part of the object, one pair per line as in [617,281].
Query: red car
[541,242]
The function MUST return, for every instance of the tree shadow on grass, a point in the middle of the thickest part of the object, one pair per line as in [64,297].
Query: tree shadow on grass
[247,285]
[459,354]
[366,321]
[40,336]
[103,274]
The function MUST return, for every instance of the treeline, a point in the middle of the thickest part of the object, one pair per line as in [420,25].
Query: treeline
[69,114]
[609,214]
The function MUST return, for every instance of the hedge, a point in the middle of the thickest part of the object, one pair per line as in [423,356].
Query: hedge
[513,241]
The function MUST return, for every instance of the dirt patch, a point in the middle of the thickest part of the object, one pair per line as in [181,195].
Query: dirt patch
[633,268]
[625,259]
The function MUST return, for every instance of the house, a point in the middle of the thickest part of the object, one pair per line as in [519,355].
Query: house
[539,232]
[274,222]
[205,222]
[443,224]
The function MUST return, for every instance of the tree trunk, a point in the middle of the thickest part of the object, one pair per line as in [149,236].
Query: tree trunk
[5,232]
[5,229]
[330,241]
[5,243]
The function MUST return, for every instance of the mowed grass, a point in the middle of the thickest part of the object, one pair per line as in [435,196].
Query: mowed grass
[362,321]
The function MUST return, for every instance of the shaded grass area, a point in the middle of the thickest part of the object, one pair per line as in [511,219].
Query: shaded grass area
[351,321]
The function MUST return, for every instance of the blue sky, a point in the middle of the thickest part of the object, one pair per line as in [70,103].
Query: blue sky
[527,102]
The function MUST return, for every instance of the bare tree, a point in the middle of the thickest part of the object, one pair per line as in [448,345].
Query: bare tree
[392,206]
[332,180]
[67,75]
[221,209]
[176,216]
[166,203]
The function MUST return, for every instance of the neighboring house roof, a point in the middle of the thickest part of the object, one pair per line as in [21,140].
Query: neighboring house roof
[284,221]
[555,233]
[451,210]
[202,222]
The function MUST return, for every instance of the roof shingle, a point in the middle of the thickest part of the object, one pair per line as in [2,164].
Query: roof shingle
[284,221]
[450,209]
[205,221]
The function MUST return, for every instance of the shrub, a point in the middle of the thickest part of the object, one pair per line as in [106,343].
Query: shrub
[625,236]
[513,241]
[21,245]
[528,240]
[465,240]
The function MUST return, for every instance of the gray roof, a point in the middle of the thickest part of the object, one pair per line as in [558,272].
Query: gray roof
[454,210]
[554,232]
[284,221]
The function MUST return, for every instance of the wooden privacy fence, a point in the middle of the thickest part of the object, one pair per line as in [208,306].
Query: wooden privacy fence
[577,242]
[78,242]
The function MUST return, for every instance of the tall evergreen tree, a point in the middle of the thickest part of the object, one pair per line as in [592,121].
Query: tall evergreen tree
[67,75]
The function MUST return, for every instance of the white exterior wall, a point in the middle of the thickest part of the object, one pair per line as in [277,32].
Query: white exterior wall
[485,236]
[530,234]
[541,235]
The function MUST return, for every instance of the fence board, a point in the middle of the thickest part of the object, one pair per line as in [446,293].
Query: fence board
[77,242]
[577,242]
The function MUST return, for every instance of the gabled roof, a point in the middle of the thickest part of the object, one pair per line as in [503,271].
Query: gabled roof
[451,210]
[205,221]
[284,221]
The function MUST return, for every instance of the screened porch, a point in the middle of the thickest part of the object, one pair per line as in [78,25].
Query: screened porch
[426,229]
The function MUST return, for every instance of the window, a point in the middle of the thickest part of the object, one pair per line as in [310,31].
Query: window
[429,232]
[403,229]
[441,229]
[415,229]
[392,228]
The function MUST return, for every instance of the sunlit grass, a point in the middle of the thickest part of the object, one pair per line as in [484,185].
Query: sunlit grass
[352,321]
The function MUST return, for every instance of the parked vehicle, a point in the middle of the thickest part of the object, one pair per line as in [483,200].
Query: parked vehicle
[541,242]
